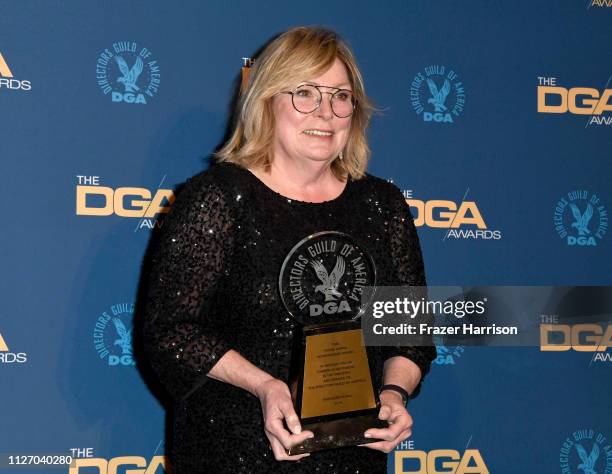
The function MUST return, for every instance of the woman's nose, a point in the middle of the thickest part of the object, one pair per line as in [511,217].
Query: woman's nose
[325,109]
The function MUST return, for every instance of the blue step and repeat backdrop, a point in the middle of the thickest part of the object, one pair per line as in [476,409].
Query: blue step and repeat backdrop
[496,122]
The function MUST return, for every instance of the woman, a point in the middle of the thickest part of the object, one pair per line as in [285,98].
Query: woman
[216,331]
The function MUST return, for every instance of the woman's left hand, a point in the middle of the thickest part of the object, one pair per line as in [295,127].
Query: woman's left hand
[393,411]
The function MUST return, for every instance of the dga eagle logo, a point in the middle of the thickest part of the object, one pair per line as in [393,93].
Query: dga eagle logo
[581,221]
[443,98]
[128,73]
[580,218]
[438,97]
[113,342]
[130,76]
[586,451]
[588,460]
[124,340]
[329,283]
[448,355]
[311,293]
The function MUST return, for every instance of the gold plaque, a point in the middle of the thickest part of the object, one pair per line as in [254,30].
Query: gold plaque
[336,375]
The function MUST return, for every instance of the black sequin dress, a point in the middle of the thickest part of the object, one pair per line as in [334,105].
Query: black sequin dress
[213,287]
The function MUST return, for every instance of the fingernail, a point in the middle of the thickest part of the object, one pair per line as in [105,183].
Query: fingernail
[311,436]
[367,435]
[297,429]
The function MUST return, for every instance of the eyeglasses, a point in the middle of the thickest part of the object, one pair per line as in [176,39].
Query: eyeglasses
[307,98]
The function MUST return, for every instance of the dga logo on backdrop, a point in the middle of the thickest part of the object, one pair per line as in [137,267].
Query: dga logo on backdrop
[122,464]
[587,452]
[600,3]
[7,81]
[587,337]
[553,99]
[448,355]
[580,218]
[95,200]
[112,335]
[128,72]
[437,94]
[463,220]
[8,357]
[438,461]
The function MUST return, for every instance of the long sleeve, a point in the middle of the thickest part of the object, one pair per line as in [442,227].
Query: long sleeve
[409,270]
[187,266]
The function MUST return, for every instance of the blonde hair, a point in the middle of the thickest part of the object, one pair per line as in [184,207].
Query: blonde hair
[295,55]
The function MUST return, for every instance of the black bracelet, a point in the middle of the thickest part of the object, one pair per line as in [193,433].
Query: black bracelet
[396,388]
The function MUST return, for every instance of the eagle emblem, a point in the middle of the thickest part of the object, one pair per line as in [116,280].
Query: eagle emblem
[588,461]
[130,76]
[438,97]
[329,282]
[125,337]
[582,220]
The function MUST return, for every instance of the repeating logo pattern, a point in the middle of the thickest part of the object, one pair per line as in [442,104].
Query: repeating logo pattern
[590,102]
[462,220]
[586,451]
[448,355]
[414,461]
[437,94]
[580,219]
[9,357]
[93,199]
[128,72]
[8,80]
[112,335]
[600,3]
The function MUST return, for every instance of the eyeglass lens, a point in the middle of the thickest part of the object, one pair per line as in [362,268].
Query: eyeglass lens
[307,98]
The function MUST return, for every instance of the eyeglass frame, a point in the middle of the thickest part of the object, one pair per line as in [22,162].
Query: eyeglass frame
[337,89]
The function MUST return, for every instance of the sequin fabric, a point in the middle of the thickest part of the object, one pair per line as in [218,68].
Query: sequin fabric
[213,287]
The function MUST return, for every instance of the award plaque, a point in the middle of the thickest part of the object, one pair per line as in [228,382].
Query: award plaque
[321,282]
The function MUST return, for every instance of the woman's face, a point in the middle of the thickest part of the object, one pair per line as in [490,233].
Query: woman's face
[294,132]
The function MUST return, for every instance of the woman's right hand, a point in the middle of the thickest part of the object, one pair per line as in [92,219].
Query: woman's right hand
[277,406]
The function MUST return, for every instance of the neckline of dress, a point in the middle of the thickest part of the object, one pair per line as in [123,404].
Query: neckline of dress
[338,198]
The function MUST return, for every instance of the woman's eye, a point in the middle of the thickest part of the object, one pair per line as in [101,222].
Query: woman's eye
[343,96]
[304,93]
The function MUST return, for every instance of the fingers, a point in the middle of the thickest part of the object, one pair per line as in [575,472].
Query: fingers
[399,420]
[388,434]
[279,451]
[278,411]
[291,418]
[400,428]
[385,412]
[393,412]
[275,428]
[388,446]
